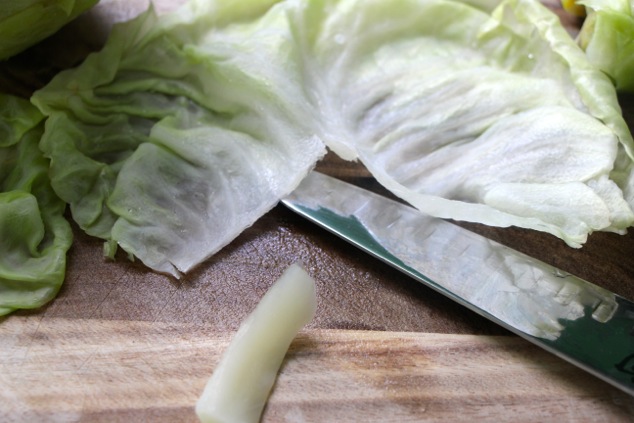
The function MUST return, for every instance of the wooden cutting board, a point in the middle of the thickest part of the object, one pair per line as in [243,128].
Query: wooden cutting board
[121,343]
[79,370]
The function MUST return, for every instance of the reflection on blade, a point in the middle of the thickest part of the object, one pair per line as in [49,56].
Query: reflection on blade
[581,322]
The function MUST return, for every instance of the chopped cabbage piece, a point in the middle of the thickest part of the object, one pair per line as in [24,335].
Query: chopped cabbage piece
[242,381]
[607,36]
[34,235]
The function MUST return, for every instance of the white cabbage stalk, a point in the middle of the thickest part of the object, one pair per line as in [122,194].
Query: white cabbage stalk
[241,382]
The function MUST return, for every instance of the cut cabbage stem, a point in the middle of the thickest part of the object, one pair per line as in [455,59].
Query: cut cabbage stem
[241,383]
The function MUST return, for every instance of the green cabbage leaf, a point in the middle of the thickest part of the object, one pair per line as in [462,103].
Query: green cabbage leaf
[607,36]
[181,132]
[26,22]
[34,234]
[188,126]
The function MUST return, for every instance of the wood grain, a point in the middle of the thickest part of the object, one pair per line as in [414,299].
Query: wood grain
[76,370]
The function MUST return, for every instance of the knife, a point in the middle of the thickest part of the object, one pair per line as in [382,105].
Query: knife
[582,323]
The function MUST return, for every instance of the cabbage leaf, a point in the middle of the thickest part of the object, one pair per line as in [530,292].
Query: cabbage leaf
[181,132]
[496,118]
[188,126]
[26,22]
[34,234]
[607,36]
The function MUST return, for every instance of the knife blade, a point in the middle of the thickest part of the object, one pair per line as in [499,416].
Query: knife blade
[574,319]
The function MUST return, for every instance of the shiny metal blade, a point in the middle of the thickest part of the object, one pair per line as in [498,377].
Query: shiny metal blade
[582,323]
